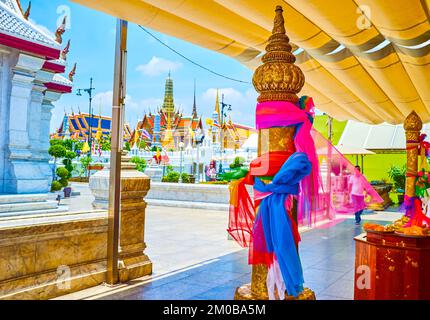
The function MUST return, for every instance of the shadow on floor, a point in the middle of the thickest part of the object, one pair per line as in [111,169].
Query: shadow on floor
[327,256]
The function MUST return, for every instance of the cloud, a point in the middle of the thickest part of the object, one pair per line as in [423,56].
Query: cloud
[157,66]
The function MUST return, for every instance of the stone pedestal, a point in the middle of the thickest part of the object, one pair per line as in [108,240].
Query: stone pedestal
[99,185]
[133,262]
[155,173]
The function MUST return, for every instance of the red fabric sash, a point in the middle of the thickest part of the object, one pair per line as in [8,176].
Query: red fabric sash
[243,208]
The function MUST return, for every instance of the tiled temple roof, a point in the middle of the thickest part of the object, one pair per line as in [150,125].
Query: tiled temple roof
[14,24]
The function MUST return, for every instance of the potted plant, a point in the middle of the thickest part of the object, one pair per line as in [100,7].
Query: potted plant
[398,176]
[63,173]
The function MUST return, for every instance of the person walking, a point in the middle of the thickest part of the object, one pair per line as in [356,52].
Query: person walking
[357,191]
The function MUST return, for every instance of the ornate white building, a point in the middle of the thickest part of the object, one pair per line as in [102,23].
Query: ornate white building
[31,62]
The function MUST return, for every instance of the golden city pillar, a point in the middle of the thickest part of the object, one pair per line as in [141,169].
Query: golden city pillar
[412,125]
[277,79]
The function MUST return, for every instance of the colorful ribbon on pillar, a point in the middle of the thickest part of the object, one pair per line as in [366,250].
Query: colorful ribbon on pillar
[279,229]
[423,151]
[284,114]
[414,211]
[273,235]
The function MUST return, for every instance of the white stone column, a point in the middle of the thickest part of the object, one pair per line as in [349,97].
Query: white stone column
[22,174]
[35,112]
[6,58]
[44,132]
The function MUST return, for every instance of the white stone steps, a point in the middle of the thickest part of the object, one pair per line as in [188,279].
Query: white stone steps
[188,204]
[28,206]
[22,198]
[29,215]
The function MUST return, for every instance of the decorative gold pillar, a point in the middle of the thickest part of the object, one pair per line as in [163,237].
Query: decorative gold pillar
[277,79]
[133,262]
[412,126]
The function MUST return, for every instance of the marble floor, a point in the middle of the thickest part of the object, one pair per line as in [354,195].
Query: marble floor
[193,259]
[327,256]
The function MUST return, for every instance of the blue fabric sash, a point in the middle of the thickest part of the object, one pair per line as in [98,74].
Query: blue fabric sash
[277,226]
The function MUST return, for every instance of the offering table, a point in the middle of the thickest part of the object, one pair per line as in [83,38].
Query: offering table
[389,266]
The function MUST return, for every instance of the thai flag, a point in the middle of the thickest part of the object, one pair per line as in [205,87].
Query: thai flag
[212,123]
[145,134]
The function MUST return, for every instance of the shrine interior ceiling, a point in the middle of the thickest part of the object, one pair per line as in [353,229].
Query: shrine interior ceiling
[364,60]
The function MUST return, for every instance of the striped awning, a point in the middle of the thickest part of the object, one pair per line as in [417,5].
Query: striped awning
[364,60]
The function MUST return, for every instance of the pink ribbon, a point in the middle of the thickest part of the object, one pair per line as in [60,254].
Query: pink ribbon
[272,114]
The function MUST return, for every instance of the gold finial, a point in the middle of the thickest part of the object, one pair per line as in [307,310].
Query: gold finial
[27,12]
[278,25]
[65,51]
[72,72]
[60,31]
[413,122]
[278,79]
[18,2]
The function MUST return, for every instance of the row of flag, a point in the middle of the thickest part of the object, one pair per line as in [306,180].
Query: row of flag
[94,149]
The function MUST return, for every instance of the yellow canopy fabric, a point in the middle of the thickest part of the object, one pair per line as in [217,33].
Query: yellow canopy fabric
[365,60]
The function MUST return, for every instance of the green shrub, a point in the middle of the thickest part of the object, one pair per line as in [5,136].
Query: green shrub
[63,173]
[185,178]
[237,163]
[54,142]
[169,168]
[57,151]
[398,176]
[68,144]
[172,176]
[69,166]
[70,155]
[56,186]
[64,182]
[140,163]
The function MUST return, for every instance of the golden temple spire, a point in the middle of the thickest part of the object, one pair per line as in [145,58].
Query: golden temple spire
[286,79]
[194,114]
[168,103]
[217,106]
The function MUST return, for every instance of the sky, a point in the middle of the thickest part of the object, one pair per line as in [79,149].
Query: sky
[92,36]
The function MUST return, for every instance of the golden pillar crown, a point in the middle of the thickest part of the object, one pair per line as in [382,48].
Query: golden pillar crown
[413,122]
[278,78]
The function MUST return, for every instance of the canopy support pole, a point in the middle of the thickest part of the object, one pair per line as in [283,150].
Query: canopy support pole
[412,126]
[329,159]
[119,92]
